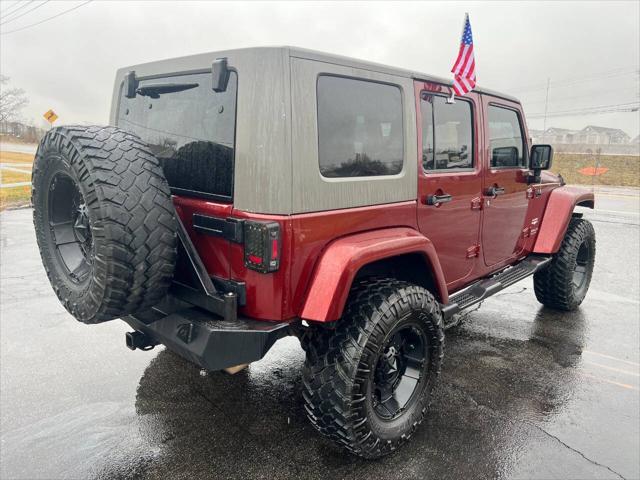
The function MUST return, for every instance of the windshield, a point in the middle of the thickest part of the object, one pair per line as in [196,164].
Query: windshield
[189,128]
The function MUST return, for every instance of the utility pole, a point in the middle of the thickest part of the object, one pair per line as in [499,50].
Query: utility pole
[595,168]
[546,104]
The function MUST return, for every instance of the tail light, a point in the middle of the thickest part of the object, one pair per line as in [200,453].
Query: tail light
[262,246]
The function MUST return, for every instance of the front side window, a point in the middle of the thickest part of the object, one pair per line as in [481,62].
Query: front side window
[447,133]
[360,131]
[189,128]
[505,138]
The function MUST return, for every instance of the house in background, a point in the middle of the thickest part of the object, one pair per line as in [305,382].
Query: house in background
[636,141]
[559,135]
[594,135]
[591,135]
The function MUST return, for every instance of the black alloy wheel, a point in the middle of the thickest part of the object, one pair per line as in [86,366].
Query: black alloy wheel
[70,227]
[399,371]
[581,268]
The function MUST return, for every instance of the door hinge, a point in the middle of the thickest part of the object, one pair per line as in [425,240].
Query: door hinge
[473,251]
[533,192]
[531,230]
[476,203]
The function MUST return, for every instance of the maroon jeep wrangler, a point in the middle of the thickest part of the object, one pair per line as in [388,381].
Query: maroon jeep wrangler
[245,195]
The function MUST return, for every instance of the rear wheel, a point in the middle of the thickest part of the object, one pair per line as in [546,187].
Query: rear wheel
[104,221]
[368,382]
[565,282]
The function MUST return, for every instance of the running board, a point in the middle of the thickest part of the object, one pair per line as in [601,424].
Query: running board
[483,289]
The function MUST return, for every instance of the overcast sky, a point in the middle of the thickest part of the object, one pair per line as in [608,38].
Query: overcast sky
[589,50]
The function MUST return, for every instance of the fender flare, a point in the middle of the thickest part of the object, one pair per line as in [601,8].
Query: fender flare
[557,215]
[343,258]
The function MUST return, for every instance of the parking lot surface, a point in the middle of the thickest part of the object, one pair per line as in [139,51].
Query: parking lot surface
[525,392]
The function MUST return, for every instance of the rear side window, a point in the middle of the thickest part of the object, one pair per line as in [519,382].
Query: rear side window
[447,133]
[360,131]
[190,129]
[505,138]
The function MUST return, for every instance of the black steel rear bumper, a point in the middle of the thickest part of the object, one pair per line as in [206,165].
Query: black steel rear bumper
[201,338]
[200,322]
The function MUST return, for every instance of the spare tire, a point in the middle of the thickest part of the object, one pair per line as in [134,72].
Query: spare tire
[104,221]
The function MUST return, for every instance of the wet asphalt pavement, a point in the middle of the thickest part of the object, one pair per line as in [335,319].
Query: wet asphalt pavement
[525,392]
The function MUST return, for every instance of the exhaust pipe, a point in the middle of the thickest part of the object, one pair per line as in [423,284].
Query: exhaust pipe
[139,340]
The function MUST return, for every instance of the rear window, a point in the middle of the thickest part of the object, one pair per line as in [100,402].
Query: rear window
[191,131]
[359,128]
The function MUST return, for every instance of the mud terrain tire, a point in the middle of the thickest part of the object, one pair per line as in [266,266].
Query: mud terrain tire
[341,375]
[564,283]
[104,220]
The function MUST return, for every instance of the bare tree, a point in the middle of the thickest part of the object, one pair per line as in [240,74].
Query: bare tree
[12,101]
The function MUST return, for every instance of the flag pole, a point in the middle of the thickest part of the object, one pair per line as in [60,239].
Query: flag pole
[452,99]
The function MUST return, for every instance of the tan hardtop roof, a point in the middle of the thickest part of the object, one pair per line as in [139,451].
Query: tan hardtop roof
[297,52]
[378,67]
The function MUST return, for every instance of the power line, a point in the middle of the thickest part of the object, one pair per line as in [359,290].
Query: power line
[24,13]
[571,80]
[625,107]
[620,107]
[598,94]
[577,80]
[13,4]
[21,5]
[46,19]
[11,10]
[8,9]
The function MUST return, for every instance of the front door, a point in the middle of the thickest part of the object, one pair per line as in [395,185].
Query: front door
[505,182]
[449,178]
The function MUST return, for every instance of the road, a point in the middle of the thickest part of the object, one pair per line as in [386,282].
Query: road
[525,392]
[18,147]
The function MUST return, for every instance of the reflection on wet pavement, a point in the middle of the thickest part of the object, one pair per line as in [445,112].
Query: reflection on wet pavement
[525,392]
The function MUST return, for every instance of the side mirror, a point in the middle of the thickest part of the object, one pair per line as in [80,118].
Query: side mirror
[219,75]
[541,157]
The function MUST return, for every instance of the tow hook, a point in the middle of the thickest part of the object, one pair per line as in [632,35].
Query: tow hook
[139,340]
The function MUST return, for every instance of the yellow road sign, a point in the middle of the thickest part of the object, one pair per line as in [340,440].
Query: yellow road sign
[51,116]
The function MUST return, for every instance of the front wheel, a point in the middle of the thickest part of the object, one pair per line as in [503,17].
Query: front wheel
[564,283]
[367,383]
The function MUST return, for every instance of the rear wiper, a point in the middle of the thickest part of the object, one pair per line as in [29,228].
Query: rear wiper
[154,91]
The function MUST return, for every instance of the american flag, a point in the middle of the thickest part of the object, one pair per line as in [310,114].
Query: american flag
[464,70]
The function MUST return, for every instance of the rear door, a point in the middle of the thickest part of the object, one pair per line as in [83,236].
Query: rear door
[449,178]
[505,182]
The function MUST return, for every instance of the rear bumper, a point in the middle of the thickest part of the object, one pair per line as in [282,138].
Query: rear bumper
[208,342]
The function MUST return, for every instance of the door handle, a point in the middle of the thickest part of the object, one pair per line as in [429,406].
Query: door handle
[438,199]
[495,191]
